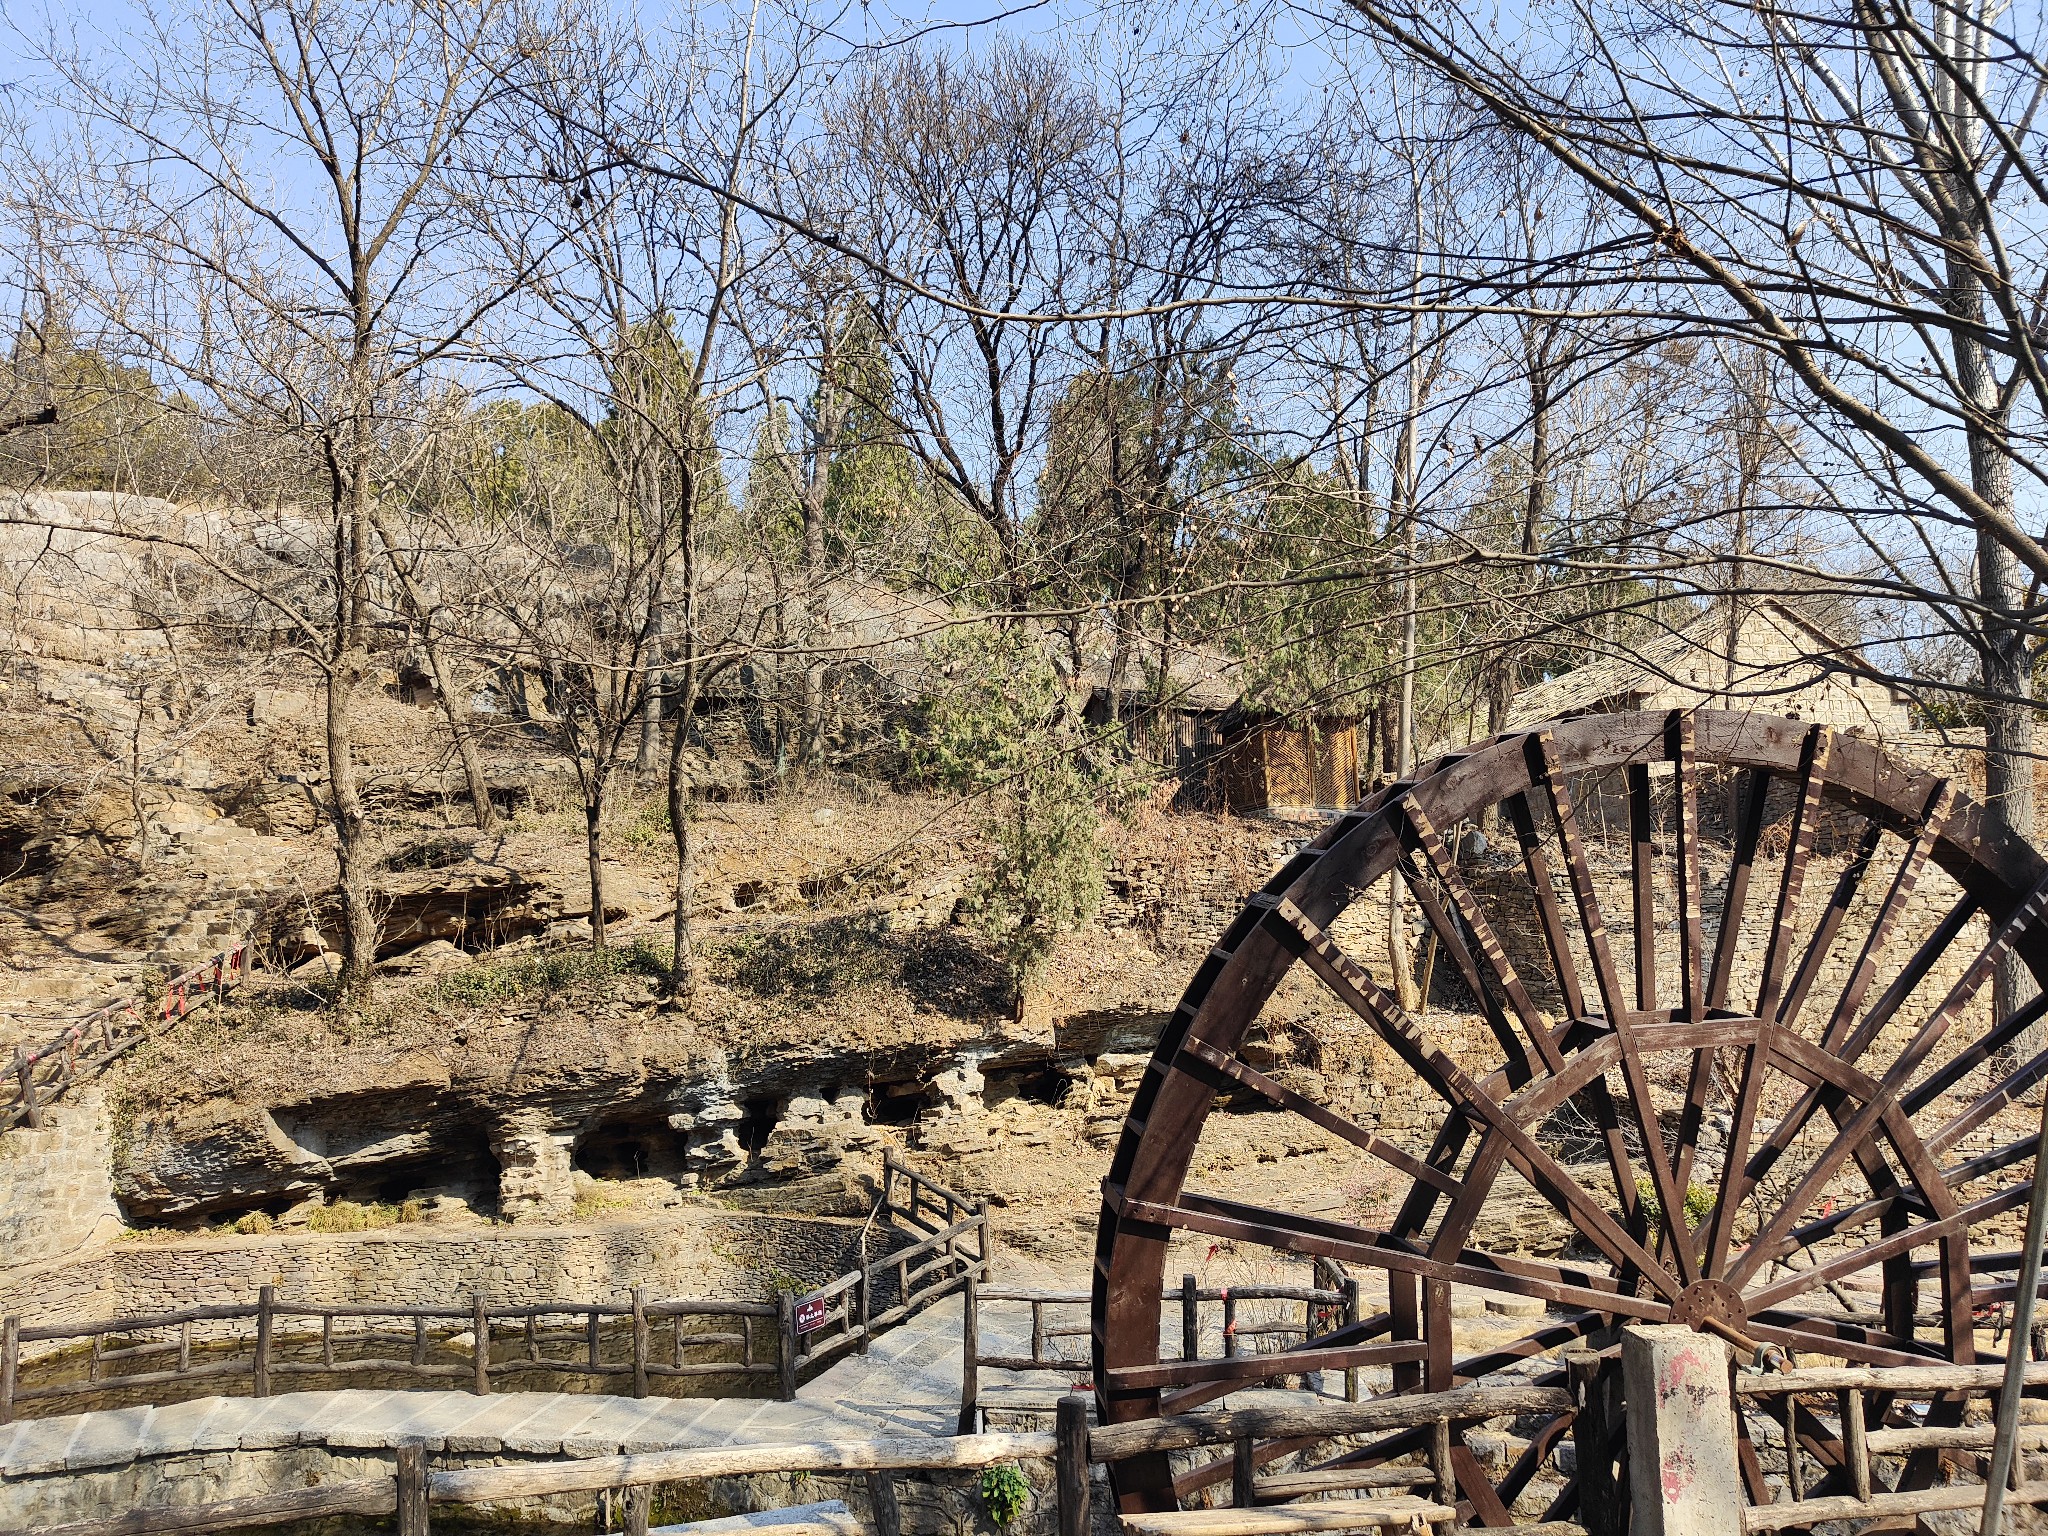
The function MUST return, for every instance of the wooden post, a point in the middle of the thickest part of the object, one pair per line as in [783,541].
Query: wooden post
[863,1284]
[412,1489]
[10,1365]
[1440,1463]
[480,1345]
[1350,1320]
[1229,1323]
[1190,1320]
[1070,1460]
[25,1070]
[639,1341]
[591,1357]
[1795,1474]
[882,1505]
[266,1298]
[639,1502]
[981,1242]
[785,1319]
[185,1346]
[970,1357]
[1038,1332]
[1244,1472]
[1856,1449]
[1592,1381]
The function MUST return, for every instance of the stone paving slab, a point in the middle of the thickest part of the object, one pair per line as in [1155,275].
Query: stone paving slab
[540,1432]
[231,1418]
[173,1427]
[484,1431]
[364,1423]
[38,1447]
[105,1439]
[293,1419]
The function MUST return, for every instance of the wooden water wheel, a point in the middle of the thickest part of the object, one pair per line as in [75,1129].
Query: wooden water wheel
[1713,988]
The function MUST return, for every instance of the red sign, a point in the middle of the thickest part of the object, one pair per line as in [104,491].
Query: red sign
[810,1314]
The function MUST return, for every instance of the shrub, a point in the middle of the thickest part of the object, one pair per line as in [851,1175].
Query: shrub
[1003,1493]
[428,853]
[496,981]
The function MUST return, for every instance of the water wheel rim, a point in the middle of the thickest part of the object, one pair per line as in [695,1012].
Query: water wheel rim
[1735,1288]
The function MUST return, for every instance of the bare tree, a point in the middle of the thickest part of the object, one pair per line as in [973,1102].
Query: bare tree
[256,205]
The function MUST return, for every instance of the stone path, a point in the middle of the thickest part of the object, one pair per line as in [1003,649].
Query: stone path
[908,1384]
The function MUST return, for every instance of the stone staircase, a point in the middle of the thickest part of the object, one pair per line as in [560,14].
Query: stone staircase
[209,879]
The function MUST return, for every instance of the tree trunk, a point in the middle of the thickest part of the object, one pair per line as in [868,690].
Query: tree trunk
[454,710]
[648,758]
[2002,644]
[351,828]
[681,794]
[593,833]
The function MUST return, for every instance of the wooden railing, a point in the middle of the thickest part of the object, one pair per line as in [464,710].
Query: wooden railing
[250,1346]
[474,1345]
[847,1312]
[414,1489]
[1325,1308]
[103,1037]
[1829,1410]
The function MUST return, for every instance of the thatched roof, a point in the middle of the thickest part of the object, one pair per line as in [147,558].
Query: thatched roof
[1695,660]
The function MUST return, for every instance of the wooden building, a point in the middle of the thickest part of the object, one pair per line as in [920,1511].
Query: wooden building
[1274,764]
[1195,726]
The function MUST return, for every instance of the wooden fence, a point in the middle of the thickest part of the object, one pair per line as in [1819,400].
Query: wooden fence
[953,1254]
[472,1346]
[104,1036]
[1851,1417]
[415,1489]
[1324,1308]
[249,1347]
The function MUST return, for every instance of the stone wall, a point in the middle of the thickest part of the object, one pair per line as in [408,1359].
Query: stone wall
[686,1253]
[56,1183]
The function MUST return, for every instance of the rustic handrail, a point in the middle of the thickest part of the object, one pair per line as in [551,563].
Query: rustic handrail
[841,1314]
[414,1488]
[1325,1309]
[92,1044]
[777,1339]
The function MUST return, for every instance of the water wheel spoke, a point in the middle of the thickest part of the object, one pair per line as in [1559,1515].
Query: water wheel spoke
[1550,1336]
[1813,762]
[1999,1094]
[1749,828]
[1847,887]
[1217,1067]
[1642,853]
[1720,1222]
[1817,1336]
[1535,1042]
[1802,1281]
[1933,819]
[1549,915]
[1985,1163]
[1685,769]
[1671,1202]
[1291,1232]
[1356,989]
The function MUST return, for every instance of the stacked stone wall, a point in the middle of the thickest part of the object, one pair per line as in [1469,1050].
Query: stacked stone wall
[711,1254]
[56,1182]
